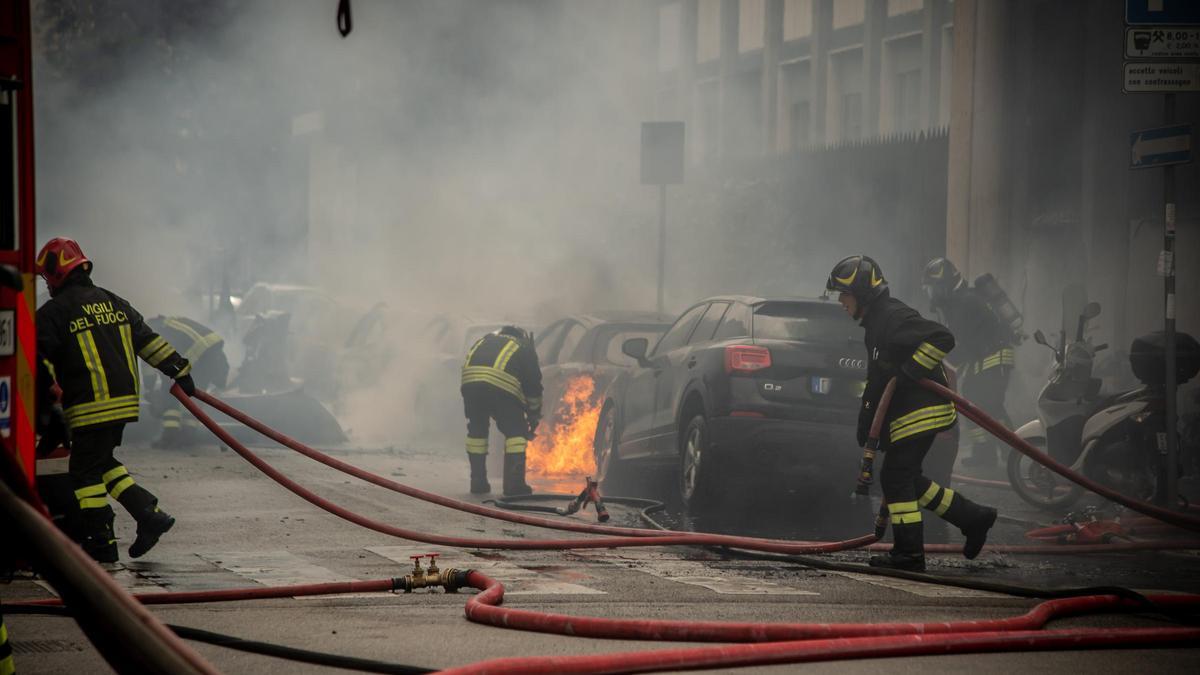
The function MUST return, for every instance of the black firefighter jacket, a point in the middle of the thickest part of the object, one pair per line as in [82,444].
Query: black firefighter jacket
[502,362]
[983,341]
[90,337]
[903,344]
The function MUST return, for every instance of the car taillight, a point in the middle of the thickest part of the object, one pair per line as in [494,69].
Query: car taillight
[746,358]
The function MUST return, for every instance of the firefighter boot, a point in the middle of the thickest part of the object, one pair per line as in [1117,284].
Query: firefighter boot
[98,539]
[151,525]
[973,521]
[479,481]
[908,549]
[514,475]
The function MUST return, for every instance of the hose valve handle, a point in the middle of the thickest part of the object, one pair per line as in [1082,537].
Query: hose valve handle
[416,563]
[432,569]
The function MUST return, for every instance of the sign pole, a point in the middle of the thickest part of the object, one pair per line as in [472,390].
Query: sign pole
[1169,489]
[662,244]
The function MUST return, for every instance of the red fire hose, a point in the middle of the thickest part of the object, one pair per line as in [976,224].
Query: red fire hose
[660,537]
[748,543]
[973,413]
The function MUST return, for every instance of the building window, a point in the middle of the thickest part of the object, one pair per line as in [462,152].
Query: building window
[796,96]
[897,7]
[751,17]
[669,18]
[900,109]
[708,30]
[797,19]
[947,75]
[666,104]
[844,114]
[848,13]
[745,110]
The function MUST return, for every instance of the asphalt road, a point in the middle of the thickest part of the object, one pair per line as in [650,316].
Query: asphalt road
[236,528]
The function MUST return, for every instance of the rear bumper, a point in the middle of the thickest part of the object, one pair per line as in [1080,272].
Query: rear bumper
[800,449]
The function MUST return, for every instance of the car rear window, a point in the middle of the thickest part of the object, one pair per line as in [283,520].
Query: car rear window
[803,322]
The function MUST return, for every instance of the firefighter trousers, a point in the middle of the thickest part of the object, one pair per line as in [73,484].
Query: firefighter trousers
[482,403]
[96,475]
[907,490]
[986,389]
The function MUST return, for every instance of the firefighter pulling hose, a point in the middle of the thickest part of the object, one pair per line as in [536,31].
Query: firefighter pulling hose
[905,347]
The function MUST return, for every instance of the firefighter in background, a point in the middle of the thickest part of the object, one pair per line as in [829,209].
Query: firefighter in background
[984,355]
[903,344]
[501,380]
[205,350]
[89,337]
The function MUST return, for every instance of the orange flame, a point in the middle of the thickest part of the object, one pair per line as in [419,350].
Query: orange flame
[565,449]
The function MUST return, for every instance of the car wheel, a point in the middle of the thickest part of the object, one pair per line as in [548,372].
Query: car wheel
[696,465]
[609,467]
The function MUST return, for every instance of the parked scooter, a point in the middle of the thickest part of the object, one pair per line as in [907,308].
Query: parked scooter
[1113,439]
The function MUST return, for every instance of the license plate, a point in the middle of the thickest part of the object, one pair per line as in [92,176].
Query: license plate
[821,385]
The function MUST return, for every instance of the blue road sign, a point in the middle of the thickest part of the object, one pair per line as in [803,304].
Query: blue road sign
[1160,146]
[1164,12]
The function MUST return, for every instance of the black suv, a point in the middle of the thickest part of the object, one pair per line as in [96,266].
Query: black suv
[769,383]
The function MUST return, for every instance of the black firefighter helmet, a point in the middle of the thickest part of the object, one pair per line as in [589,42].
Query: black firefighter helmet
[941,278]
[859,276]
[522,336]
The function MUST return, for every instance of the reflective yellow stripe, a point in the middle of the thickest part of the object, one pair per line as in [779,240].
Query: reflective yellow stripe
[152,346]
[93,406]
[91,359]
[122,414]
[200,343]
[921,413]
[471,352]
[477,446]
[929,494]
[114,473]
[925,361]
[158,355]
[921,427]
[121,486]
[184,370]
[947,497]
[931,351]
[906,518]
[903,507]
[93,502]
[127,343]
[496,378]
[505,355]
[96,490]
[515,444]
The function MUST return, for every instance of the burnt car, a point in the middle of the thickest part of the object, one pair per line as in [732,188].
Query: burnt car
[590,344]
[739,381]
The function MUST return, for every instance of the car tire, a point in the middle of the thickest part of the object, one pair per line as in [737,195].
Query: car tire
[697,470]
[610,470]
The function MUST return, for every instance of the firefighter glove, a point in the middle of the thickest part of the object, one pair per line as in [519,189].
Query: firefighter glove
[187,384]
[913,371]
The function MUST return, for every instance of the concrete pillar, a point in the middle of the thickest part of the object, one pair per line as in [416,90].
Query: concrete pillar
[822,30]
[977,206]
[772,46]
[874,23]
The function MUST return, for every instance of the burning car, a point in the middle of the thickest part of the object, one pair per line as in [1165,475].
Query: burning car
[580,355]
[738,381]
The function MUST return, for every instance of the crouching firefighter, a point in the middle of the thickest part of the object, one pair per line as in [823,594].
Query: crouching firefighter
[87,341]
[903,344]
[501,380]
[205,350]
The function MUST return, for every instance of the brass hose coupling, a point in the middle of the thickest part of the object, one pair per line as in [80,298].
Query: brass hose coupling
[430,577]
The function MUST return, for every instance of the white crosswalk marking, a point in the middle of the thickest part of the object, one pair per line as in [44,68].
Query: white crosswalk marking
[691,572]
[517,580]
[919,587]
